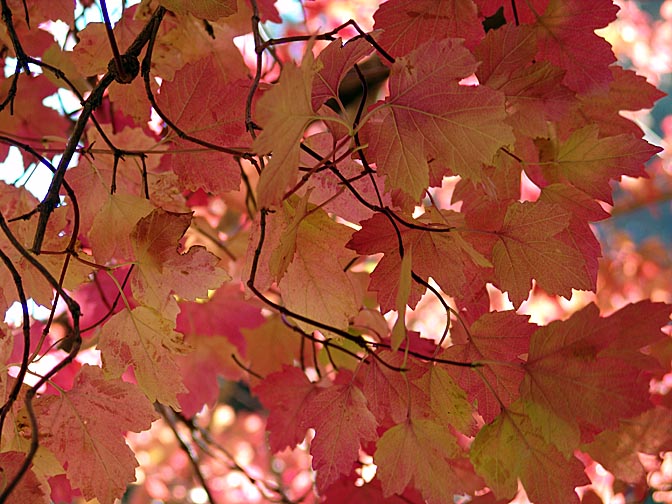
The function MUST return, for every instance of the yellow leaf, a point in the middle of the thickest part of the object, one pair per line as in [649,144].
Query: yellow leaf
[284,112]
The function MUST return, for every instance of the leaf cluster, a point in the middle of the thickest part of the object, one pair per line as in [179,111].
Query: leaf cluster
[246,215]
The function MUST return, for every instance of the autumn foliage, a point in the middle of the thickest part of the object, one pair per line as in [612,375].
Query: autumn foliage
[218,212]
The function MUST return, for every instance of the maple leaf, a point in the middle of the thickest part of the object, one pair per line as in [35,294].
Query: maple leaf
[226,313]
[403,293]
[28,489]
[426,453]
[448,402]
[285,395]
[526,12]
[589,162]
[162,270]
[627,91]
[189,38]
[92,179]
[40,12]
[545,473]
[456,127]
[284,112]
[504,52]
[17,202]
[19,124]
[578,364]
[299,243]
[346,490]
[205,9]
[334,62]
[204,107]
[379,235]
[407,24]
[391,394]
[497,341]
[534,93]
[143,339]
[618,450]
[486,91]
[33,41]
[132,99]
[527,246]
[210,359]
[214,330]
[324,186]
[270,346]
[342,423]
[96,298]
[582,206]
[92,53]
[58,58]
[110,233]
[566,38]
[85,426]
[500,187]
[578,234]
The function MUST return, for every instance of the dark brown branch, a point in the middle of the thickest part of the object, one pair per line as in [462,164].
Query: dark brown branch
[331,35]
[376,208]
[242,366]
[250,127]
[71,194]
[51,200]
[515,12]
[74,310]
[11,94]
[113,42]
[25,328]
[418,279]
[22,60]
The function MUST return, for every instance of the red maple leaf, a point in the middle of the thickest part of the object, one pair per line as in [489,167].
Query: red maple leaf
[407,24]
[285,395]
[85,426]
[28,489]
[546,474]
[342,423]
[208,113]
[566,38]
[497,342]
[414,127]
[454,275]
[574,366]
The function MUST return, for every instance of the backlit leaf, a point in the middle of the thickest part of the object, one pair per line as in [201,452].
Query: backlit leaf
[142,339]
[429,117]
[284,112]
[85,428]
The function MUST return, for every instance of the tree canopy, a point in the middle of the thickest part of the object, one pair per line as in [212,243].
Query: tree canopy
[352,220]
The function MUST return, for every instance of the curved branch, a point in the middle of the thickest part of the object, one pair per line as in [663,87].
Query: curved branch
[74,309]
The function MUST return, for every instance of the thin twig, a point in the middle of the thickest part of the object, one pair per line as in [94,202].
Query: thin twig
[25,327]
[171,419]
[113,41]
